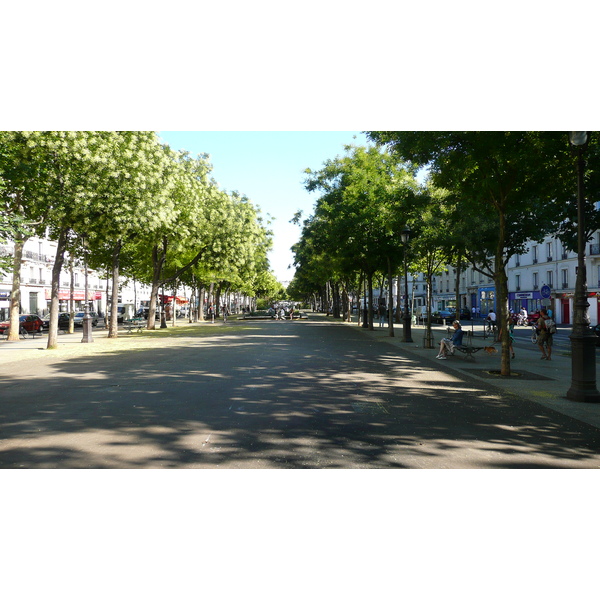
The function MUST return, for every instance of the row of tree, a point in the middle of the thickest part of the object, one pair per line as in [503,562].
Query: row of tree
[128,204]
[486,195]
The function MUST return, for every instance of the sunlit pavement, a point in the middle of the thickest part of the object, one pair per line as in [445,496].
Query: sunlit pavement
[309,394]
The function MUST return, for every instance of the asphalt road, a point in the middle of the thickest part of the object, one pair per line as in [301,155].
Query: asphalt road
[310,394]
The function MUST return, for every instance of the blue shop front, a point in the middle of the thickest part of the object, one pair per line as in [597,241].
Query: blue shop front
[532,301]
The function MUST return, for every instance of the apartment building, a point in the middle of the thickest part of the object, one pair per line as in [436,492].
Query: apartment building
[36,279]
[543,275]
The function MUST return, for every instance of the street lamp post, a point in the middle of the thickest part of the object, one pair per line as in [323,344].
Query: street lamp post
[583,340]
[406,335]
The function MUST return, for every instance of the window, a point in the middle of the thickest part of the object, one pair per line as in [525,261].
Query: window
[518,282]
[517,261]
[549,251]
[535,254]
[535,281]
[565,278]
[549,279]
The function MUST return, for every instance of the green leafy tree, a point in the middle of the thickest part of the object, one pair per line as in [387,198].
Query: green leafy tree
[365,201]
[501,180]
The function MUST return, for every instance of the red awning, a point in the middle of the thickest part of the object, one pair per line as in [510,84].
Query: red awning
[169,299]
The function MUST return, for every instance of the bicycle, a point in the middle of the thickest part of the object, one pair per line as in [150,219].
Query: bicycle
[534,334]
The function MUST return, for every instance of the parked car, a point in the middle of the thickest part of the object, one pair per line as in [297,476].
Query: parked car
[30,323]
[465,314]
[78,319]
[596,330]
[532,318]
[63,321]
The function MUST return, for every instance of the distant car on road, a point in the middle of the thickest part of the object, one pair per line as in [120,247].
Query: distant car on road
[442,316]
[29,323]
[78,319]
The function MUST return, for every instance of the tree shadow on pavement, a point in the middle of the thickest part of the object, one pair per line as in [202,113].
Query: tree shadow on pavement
[277,395]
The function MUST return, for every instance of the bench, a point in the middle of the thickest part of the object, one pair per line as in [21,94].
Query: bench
[469,350]
[132,324]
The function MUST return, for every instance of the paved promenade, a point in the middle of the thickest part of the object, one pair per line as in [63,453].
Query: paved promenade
[318,393]
[544,382]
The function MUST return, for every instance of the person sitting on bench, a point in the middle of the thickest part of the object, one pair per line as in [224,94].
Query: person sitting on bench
[447,344]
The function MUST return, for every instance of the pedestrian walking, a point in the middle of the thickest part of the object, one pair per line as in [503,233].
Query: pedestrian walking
[225,313]
[381,310]
[544,337]
[211,313]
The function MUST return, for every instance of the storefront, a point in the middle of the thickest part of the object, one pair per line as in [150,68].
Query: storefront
[487,299]
[78,298]
[532,301]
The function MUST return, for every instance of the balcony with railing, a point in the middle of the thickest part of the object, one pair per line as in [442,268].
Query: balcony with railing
[35,256]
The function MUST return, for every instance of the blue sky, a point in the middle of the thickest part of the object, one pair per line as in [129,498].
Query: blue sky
[268,167]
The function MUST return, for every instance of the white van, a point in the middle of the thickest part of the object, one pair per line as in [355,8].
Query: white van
[125,312]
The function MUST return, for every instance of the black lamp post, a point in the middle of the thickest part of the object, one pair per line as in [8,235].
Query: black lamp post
[583,340]
[406,336]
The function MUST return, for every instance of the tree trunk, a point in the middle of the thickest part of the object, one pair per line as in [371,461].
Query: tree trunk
[114,314]
[359,306]
[398,301]
[158,259]
[71,295]
[501,281]
[336,300]
[15,292]
[390,299]
[458,272]
[370,287]
[56,270]
[201,299]
[107,298]
[428,340]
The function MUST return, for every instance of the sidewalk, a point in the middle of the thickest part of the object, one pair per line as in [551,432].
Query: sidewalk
[541,381]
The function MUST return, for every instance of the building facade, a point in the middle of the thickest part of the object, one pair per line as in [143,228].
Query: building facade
[36,280]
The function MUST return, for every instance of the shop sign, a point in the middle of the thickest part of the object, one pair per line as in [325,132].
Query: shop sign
[524,295]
